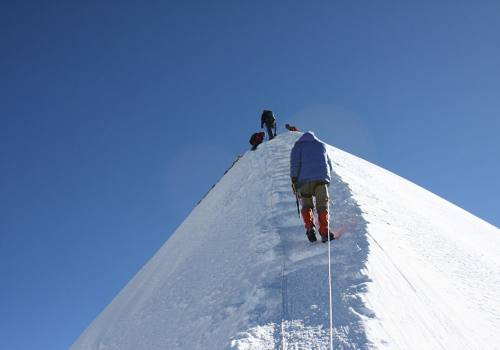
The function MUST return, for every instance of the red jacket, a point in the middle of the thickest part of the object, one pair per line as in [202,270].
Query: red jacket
[257,138]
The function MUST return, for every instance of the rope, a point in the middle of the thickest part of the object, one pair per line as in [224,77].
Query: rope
[330,291]
[330,286]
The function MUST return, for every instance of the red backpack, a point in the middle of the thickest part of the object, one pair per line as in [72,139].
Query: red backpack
[257,138]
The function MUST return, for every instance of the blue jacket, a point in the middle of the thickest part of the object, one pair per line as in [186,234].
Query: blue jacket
[309,160]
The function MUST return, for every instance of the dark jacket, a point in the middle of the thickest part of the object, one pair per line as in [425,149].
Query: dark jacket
[268,119]
[309,160]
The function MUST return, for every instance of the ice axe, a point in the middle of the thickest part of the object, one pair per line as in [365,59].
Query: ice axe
[296,197]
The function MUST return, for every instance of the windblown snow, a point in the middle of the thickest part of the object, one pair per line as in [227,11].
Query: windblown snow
[410,270]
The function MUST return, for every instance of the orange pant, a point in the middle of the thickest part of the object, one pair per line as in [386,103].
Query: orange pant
[323,219]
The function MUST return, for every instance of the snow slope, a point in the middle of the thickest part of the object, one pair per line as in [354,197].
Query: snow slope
[410,271]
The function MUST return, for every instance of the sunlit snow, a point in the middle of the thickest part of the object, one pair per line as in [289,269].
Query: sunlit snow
[410,270]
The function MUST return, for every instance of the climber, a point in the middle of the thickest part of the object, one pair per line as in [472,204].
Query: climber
[291,127]
[270,121]
[257,139]
[310,172]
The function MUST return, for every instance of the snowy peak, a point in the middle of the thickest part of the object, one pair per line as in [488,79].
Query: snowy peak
[410,270]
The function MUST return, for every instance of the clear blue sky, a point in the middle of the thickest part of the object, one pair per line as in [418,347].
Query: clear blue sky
[116,117]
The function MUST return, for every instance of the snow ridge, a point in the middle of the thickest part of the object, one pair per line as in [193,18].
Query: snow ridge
[410,271]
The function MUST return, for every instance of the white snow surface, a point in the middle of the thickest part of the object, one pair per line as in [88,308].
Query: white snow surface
[410,270]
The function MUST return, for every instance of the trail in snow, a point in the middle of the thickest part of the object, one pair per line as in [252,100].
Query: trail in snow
[305,265]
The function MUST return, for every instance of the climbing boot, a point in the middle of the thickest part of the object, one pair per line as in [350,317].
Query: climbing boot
[311,235]
[324,238]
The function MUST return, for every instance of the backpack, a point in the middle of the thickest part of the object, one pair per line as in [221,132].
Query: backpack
[257,138]
[268,117]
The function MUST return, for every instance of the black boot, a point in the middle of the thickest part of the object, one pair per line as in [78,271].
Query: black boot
[324,239]
[311,235]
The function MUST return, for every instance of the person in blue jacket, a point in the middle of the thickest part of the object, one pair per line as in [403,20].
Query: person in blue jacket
[310,171]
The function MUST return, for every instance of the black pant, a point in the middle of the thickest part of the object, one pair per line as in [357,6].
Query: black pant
[270,132]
